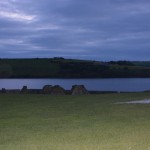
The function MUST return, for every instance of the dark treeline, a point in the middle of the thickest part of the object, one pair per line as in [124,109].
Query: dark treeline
[69,68]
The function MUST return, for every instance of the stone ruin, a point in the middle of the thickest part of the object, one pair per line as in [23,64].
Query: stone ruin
[24,90]
[57,90]
[47,89]
[53,90]
[79,90]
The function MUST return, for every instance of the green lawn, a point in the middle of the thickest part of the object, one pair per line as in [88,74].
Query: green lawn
[92,122]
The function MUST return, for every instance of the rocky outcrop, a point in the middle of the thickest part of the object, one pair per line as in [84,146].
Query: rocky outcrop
[79,90]
[24,90]
[53,90]
[57,90]
[47,89]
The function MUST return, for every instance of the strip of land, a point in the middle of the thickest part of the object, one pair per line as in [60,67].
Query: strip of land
[71,68]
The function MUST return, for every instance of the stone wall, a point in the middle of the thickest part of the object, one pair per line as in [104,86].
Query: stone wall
[54,90]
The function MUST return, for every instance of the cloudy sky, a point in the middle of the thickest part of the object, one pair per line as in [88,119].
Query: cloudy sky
[84,29]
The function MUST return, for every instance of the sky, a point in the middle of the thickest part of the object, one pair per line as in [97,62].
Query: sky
[81,29]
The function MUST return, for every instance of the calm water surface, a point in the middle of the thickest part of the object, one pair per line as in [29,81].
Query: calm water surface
[117,84]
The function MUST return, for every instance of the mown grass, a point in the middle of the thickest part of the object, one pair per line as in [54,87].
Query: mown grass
[92,122]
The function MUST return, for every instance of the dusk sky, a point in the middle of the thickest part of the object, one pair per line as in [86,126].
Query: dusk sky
[84,29]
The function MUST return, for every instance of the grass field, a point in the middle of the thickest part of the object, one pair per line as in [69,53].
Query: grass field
[92,122]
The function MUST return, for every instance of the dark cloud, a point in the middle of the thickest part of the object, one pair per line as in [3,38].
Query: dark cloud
[103,30]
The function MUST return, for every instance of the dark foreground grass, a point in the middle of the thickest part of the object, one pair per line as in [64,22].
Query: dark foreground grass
[93,122]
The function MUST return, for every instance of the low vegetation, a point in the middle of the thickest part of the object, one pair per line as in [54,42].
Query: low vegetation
[89,122]
[70,68]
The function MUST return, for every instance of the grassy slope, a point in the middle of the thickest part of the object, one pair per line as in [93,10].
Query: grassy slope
[142,63]
[93,122]
[69,68]
[31,67]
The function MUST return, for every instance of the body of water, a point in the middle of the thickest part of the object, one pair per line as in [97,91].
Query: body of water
[117,84]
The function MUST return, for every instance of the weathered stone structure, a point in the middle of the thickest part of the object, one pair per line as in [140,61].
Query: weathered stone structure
[57,90]
[79,90]
[24,90]
[47,89]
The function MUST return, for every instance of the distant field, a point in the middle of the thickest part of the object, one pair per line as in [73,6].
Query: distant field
[92,122]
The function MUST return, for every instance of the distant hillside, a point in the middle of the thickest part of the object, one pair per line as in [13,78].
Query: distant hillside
[71,68]
[142,63]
